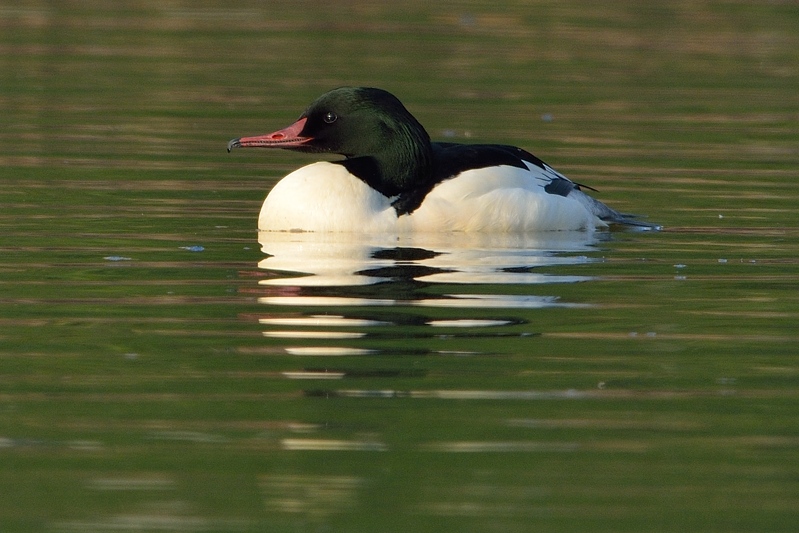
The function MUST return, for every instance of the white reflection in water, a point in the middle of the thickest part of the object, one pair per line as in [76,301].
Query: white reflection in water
[333,445]
[308,374]
[467,323]
[325,301]
[350,273]
[327,351]
[502,301]
[322,320]
[517,278]
[499,447]
[313,334]
[338,260]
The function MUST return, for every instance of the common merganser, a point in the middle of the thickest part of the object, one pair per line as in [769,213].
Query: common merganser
[393,179]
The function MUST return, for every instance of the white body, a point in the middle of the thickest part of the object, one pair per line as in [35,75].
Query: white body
[325,197]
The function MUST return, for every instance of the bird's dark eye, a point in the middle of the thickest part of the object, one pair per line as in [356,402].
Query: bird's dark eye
[330,117]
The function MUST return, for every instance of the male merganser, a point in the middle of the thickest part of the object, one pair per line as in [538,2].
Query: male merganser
[393,179]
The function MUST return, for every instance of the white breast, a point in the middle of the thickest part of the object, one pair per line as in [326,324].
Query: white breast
[325,197]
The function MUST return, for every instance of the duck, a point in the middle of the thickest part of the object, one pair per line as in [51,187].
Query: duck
[393,179]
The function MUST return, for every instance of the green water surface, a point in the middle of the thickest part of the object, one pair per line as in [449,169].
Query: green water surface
[138,391]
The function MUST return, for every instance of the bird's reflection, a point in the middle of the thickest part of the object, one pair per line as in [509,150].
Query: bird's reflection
[347,260]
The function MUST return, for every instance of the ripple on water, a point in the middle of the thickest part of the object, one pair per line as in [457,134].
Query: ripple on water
[340,289]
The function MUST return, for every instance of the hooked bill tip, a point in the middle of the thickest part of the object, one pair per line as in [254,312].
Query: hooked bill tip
[233,144]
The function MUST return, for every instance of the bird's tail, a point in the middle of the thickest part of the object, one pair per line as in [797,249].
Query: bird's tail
[610,215]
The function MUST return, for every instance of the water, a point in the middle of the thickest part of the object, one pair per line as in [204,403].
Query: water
[165,368]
